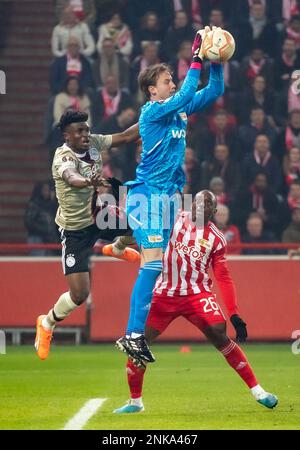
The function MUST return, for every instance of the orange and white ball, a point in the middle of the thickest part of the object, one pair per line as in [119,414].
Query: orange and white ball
[218,45]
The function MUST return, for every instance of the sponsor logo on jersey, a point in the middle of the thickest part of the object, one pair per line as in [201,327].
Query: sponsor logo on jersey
[70,260]
[94,154]
[155,238]
[183,115]
[189,250]
[178,134]
[205,243]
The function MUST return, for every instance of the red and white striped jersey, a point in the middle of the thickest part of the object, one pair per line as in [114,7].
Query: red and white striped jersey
[190,253]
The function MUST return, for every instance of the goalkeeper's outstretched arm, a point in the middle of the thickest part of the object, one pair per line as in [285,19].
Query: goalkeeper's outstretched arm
[215,88]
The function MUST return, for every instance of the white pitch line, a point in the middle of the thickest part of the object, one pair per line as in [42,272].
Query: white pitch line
[84,414]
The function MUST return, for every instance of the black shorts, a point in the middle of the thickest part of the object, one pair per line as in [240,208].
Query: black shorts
[77,246]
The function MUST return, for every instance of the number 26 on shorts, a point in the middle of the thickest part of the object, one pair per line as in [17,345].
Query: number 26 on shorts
[209,304]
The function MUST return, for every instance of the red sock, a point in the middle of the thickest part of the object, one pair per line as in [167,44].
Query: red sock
[135,377]
[236,358]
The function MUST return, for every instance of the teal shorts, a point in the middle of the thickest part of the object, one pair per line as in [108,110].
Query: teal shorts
[151,215]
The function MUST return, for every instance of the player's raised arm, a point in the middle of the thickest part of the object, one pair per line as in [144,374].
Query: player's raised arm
[210,93]
[131,134]
[149,79]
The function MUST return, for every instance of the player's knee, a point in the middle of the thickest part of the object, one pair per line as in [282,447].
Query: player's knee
[217,335]
[220,340]
[79,296]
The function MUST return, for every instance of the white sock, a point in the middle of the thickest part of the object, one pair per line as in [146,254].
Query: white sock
[135,335]
[47,325]
[258,392]
[63,308]
[136,401]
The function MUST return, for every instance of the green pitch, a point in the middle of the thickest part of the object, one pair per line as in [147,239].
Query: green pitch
[182,391]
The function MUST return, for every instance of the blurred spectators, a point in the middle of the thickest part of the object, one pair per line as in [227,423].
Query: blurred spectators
[69,26]
[255,234]
[72,63]
[288,99]
[286,63]
[293,198]
[149,32]
[149,57]
[292,233]
[119,32]
[232,79]
[261,159]
[230,231]
[261,199]
[290,136]
[257,63]
[181,30]
[71,98]
[182,62]
[220,131]
[259,31]
[244,147]
[232,82]
[290,8]
[216,12]
[39,217]
[224,167]
[108,101]
[110,62]
[84,10]
[293,30]
[136,9]
[192,171]
[258,125]
[122,159]
[217,186]
[257,96]
[291,165]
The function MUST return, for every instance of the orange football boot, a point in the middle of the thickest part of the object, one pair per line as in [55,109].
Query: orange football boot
[42,339]
[129,254]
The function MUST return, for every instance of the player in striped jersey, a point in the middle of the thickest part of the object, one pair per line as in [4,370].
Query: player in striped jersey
[184,289]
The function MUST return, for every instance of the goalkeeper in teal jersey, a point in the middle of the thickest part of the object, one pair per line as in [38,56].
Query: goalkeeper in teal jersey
[162,127]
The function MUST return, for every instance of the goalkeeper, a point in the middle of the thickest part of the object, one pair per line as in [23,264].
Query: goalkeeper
[162,127]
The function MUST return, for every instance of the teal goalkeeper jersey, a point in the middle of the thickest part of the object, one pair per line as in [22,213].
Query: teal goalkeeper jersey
[162,127]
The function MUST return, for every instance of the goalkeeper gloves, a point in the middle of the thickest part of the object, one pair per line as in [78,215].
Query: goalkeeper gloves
[240,328]
[197,44]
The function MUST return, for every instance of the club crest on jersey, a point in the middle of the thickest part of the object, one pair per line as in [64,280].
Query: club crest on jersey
[205,243]
[94,154]
[155,238]
[183,116]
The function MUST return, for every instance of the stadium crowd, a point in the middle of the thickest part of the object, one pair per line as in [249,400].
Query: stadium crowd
[245,148]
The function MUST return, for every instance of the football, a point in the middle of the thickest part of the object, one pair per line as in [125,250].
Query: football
[219,45]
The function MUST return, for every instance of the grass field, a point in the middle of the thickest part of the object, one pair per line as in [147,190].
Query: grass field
[183,391]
